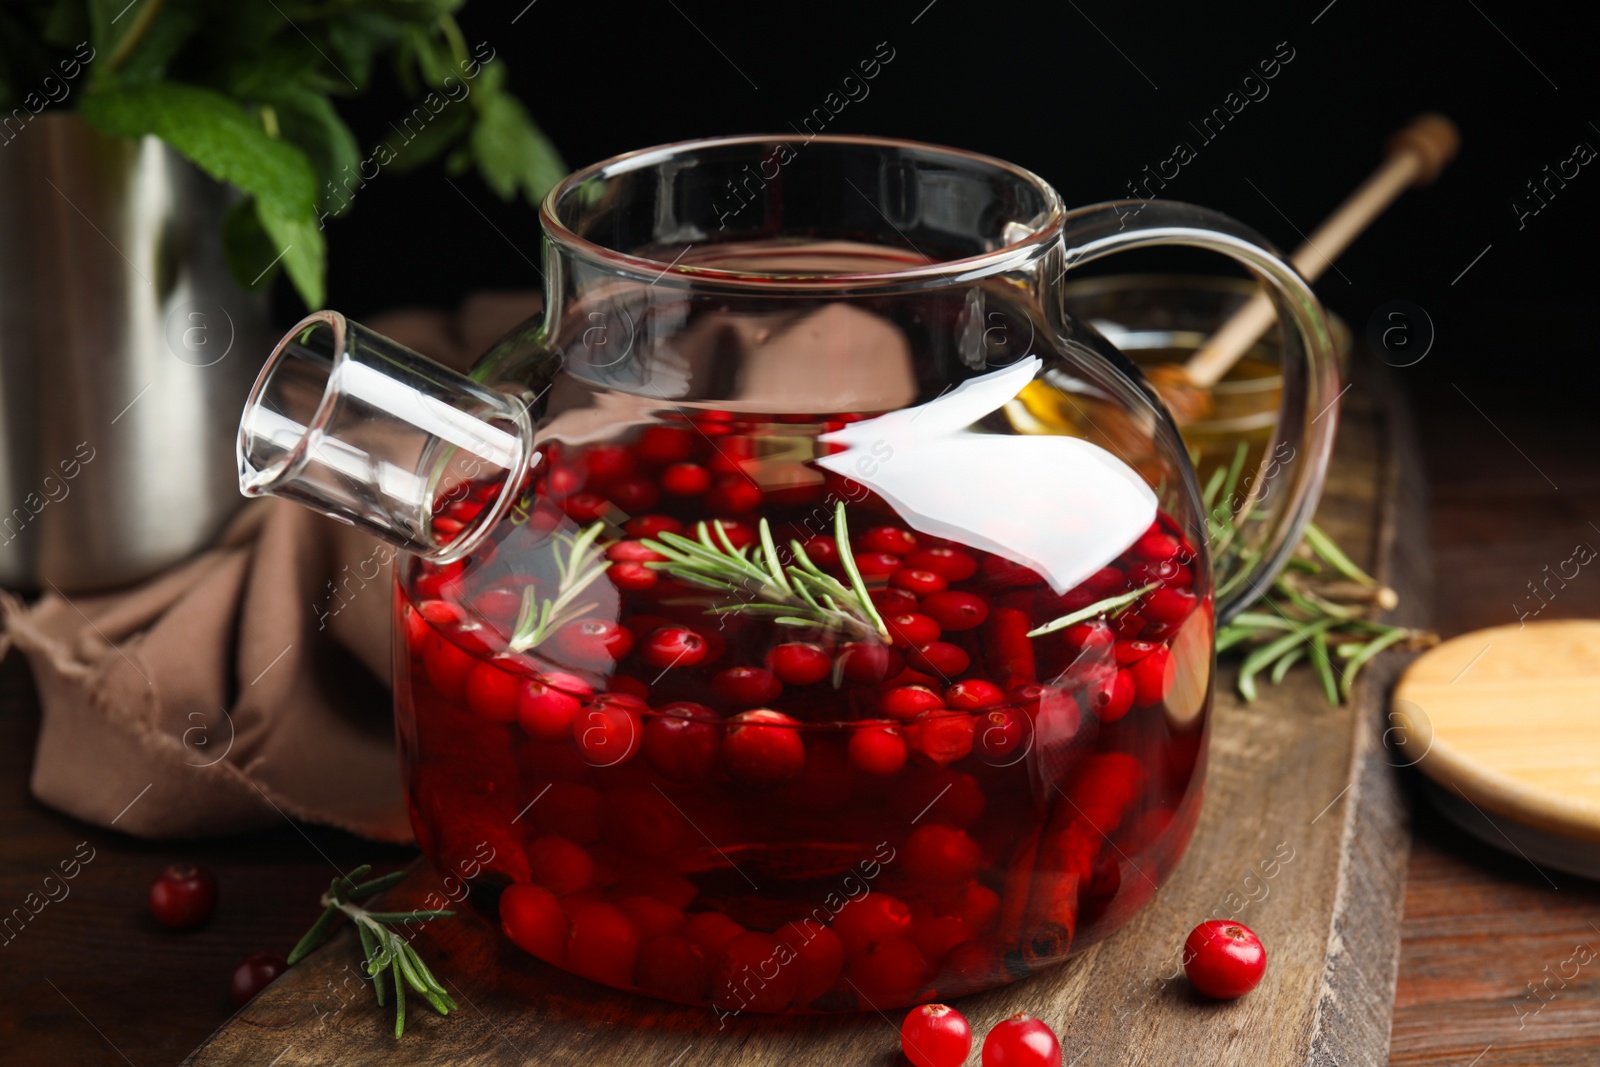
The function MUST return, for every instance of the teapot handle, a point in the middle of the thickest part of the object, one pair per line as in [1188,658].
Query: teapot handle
[1281,495]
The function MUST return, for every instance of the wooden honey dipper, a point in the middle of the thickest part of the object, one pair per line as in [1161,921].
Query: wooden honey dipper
[1416,156]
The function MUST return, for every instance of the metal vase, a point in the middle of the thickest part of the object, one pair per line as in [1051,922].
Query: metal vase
[126,352]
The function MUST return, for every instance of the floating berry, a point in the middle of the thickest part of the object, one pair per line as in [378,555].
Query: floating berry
[1021,1041]
[673,646]
[878,746]
[892,601]
[800,663]
[1156,547]
[822,550]
[941,657]
[911,629]
[936,935]
[434,583]
[763,748]
[608,463]
[421,622]
[941,855]
[746,686]
[634,495]
[661,445]
[951,563]
[683,741]
[1111,697]
[749,977]
[559,865]
[1224,959]
[877,564]
[870,662]
[634,577]
[674,967]
[546,707]
[532,918]
[604,944]
[447,665]
[955,610]
[1151,676]
[734,493]
[585,507]
[890,539]
[1094,638]
[973,694]
[941,737]
[255,974]
[909,701]
[652,525]
[563,481]
[608,731]
[889,972]
[686,479]
[918,583]
[492,692]
[979,908]
[867,920]
[596,643]
[819,958]
[183,896]
[1002,733]
[1168,606]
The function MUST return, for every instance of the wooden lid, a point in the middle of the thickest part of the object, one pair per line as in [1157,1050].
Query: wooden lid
[1509,720]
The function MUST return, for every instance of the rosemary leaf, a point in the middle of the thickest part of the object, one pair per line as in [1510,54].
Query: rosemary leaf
[407,916]
[399,1002]
[1285,661]
[1323,545]
[1360,659]
[314,936]
[1323,666]
[1100,607]
[376,886]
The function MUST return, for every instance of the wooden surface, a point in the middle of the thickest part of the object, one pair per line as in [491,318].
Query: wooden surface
[1313,860]
[94,982]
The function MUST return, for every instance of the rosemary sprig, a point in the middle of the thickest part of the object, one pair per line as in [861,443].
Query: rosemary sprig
[1323,604]
[755,580]
[382,948]
[1110,605]
[580,561]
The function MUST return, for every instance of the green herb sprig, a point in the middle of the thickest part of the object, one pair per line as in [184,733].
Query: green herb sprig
[580,561]
[1110,606]
[383,948]
[755,581]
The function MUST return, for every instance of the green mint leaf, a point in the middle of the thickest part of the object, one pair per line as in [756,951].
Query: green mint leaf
[299,243]
[511,153]
[247,247]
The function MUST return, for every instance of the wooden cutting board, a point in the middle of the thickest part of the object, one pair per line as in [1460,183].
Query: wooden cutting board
[1302,836]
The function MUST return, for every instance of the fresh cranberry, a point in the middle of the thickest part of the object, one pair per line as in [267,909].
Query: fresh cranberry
[940,657]
[819,957]
[889,971]
[546,707]
[255,974]
[973,694]
[608,732]
[737,533]
[532,918]
[674,967]
[800,663]
[1168,606]
[652,525]
[763,748]
[941,737]
[941,855]
[912,628]
[1224,959]
[585,507]
[1094,638]
[909,701]
[877,564]
[1129,625]
[1107,581]
[821,550]
[604,945]
[608,463]
[448,665]
[1021,1041]
[1150,677]
[878,746]
[1004,573]
[635,577]
[683,741]
[1129,652]
[712,931]
[673,646]
[955,610]
[1110,697]
[422,621]
[979,907]
[734,494]
[559,865]
[686,479]
[493,691]
[918,583]
[634,495]
[596,643]
[746,686]
[935,1036]
[183,896]
[563,481]
[868,920]
[1000,732]
[734,455]
[890,539]
[435,583]
[633,552]
[870,663]
[1156,547]
[661,445]
[952,564]
[892,601]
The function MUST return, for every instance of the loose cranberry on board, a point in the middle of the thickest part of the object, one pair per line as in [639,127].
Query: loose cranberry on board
[935,1035]
[1224,959]
[183,896]
[1021,1041]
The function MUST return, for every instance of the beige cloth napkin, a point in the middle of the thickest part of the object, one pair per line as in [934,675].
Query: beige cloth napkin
[247,684]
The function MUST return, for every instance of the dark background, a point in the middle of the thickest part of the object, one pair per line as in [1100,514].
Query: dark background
[1087,104]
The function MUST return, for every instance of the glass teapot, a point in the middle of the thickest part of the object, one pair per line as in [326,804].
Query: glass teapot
[803,612]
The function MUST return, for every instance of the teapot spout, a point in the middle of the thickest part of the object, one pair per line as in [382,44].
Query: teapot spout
[351,424]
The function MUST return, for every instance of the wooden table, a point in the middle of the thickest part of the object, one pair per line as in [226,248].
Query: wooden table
[91,980]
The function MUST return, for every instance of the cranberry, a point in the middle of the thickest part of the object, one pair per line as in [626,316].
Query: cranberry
[563,482]
[1094,638]
[1110,698]
[683,742]
[973,694]
[912,628]
[604,945]
[878,746]
[746,686]
[608,732]
[448,665]
[183,896]
[867,920]
[750,975]
[890,539]
[1008,575]
[559,865]
[634,495]
[674,967]
[892,601]
[819,958]
[492,692]
[635,577]
[596,643]
[532,918]
[1168,606]
[585,507]
[421,623]
[935,1036]
[1021,1041]
[936,935]
[1224,959]
[673,646]
[632,552]
[608,463]
[870,663]
[763,748]
[909,701]
[941,854]
[979,907]
[738,534]
[952,564]
[733,494]
[941,737]
[652,916]
[255,974]
[712,931]
[1128,652]
[660,445]
[919,583]
[686,479]
[1156,547]
[821,550]
[1151,677]
[546,707]
[877,564]
[940,657]
[434,583]
[955,610]
[890,971]
[800,663]
[1001,732]
[652,525]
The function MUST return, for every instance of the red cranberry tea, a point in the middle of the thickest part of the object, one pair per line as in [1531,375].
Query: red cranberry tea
[732,731]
